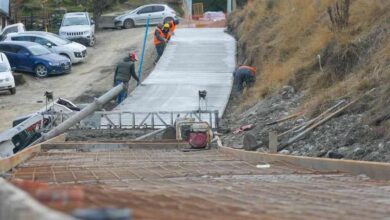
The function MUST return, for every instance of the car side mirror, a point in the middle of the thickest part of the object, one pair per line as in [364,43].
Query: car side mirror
[92,22]
[13,69]
[49,45]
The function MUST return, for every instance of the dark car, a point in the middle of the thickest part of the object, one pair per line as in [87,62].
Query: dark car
[35,58]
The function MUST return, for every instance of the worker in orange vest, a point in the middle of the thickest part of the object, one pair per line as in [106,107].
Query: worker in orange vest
[172,27]
[244,76]
[160,40]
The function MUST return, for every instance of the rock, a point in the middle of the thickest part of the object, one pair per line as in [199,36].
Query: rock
[308,147]
[381,146]
[321,153]
[300,121]
[358,152]
[335,155]
[343,150]
[250,142]
[295,153]
[284,151]
[287,92]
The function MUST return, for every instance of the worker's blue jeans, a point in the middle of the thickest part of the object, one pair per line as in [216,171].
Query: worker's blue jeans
[160,50]
[243,79]
[123,95]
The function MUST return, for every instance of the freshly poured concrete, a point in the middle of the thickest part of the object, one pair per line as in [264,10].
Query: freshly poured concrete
[195,59]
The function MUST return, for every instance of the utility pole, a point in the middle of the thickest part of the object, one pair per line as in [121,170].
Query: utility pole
[229,6]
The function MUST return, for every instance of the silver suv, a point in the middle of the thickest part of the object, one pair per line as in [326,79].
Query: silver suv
[158,13]
[79,27]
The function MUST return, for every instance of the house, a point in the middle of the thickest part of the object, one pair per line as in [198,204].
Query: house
[4,12]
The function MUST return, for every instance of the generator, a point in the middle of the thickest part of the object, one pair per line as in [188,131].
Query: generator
[197,134]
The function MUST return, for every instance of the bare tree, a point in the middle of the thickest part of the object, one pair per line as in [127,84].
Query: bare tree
[98,6]
[339,14]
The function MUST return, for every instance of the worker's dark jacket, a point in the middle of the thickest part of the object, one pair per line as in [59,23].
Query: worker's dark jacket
[243,75]
[124,71]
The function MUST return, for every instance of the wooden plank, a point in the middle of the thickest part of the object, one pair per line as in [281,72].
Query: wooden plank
[273,142]
[375,170]
[6,164]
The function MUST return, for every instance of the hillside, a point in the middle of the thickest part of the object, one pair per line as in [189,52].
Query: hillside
[307,63]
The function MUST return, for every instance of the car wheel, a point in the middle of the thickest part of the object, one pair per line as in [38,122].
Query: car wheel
[12,91]
[41,70]
[128,24]
[92,42]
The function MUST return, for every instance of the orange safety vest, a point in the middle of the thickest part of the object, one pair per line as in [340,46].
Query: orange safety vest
[251,68]
[156,40]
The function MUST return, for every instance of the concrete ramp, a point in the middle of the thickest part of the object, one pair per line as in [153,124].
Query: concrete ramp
[195,59]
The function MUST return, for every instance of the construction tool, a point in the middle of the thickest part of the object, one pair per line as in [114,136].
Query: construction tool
[197,134]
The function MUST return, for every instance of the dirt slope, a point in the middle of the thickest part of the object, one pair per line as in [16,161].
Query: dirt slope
[307,63]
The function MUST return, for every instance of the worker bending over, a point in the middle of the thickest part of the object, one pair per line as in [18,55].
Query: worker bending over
[123,73]
[244,76]
[160,40]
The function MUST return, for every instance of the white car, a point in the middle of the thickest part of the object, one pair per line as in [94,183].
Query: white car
[79,27]
[7,81]
[158,13]
[74,51]
[14,28]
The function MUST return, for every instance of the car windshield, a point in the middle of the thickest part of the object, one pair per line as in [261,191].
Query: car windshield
[75,21]
[38,50]
[57,40]
[3,67]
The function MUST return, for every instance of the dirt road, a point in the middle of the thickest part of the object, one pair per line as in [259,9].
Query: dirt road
[86,80]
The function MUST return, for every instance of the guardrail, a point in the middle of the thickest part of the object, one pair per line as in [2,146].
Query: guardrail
[120,119]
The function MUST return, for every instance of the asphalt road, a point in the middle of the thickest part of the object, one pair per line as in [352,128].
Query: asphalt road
[93,77]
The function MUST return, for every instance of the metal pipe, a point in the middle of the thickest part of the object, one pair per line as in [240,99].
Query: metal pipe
[85,112]
[143,49]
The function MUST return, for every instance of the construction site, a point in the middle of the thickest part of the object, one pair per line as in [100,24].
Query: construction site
[305,135]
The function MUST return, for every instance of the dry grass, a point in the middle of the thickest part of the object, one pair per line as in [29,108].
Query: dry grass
[287,38]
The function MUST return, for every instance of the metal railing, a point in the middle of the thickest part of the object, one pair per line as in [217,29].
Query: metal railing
[152,120]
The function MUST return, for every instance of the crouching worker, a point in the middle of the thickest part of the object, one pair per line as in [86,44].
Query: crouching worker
[244,76]
[123,73]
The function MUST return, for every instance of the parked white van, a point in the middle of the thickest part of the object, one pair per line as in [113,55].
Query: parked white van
[7,81]
[74,51]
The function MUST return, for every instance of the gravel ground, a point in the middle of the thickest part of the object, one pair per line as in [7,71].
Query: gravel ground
[87,80]
[344,136]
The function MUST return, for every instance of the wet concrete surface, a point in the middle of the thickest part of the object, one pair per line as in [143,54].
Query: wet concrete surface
[195,59]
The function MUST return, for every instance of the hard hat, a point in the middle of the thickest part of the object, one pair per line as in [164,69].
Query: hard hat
[166,25]
[133,56]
